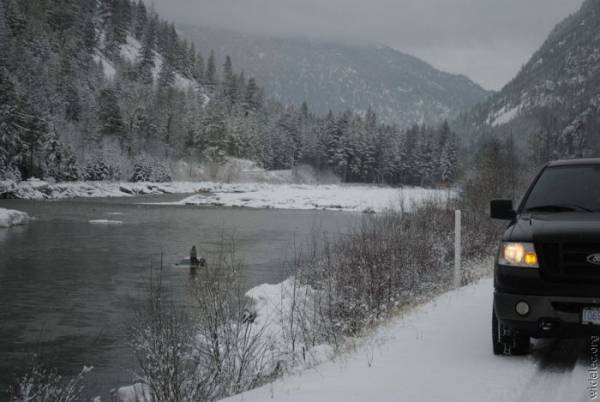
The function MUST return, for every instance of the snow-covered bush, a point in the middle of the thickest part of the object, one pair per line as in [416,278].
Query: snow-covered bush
[141,172]
[60,162]
[144,171]
[98,170]
[10,173]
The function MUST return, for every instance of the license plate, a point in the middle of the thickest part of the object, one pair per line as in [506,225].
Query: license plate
[591,316]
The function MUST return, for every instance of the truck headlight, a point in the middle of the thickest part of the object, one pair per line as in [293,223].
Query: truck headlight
[518,255]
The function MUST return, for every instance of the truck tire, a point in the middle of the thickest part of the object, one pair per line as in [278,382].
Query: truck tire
[497,345]
[512,343]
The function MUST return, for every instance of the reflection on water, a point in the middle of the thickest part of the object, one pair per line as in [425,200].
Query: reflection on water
[67,286]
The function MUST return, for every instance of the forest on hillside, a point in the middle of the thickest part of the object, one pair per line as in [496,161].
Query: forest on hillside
[107,90]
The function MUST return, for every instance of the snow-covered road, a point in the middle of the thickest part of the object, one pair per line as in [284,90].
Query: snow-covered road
[441,352]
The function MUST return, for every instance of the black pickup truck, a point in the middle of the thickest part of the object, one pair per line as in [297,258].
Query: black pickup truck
[547,272]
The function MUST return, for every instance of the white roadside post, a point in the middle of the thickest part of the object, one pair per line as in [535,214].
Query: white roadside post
[457,247]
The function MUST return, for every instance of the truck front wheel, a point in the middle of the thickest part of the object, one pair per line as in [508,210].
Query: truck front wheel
[507,342]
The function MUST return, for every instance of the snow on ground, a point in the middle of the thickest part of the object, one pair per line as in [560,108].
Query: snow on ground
[35,189]
[439,352]
[504,115]
[133,393]
[107,67]
[273,306]
[180,82]
[131,49]
[11,217]
[357,198]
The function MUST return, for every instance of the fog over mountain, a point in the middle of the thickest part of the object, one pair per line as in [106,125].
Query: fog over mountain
[553,104]
[337,76]
[486,40]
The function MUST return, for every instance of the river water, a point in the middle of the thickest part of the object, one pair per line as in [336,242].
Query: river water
[67,286]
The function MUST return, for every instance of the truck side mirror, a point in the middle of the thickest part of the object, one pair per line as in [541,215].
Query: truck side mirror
[502,209]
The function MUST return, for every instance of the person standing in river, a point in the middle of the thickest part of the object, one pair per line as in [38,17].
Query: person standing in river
[194,262]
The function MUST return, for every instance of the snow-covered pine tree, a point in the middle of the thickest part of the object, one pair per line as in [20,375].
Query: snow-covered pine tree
[146,58]
[210,77]
[11,140]
[109,114]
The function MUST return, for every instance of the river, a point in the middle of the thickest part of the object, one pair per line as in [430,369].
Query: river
[67,286]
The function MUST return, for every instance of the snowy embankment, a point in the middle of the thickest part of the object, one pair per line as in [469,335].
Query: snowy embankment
[302,196]
[11,217]
[438,352]
[359,198]
[34,189]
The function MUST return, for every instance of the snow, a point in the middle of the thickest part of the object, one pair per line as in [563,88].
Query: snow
[440,351]
[109,70]
[184,84]
[41,190]
[504,115]
[11,217]
[273,308]
[134,393]
[131,49]
[355,198]
[180,82]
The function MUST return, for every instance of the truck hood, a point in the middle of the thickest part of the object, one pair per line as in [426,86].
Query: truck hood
[577,226]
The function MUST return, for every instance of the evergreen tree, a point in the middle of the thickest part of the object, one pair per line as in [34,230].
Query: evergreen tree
[4,38]
[198,72]
[211,71]
[141,20]
[11,141]
[146,62]
[252,100]
[109,114]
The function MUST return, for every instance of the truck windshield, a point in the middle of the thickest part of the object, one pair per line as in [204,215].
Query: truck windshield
[566,188]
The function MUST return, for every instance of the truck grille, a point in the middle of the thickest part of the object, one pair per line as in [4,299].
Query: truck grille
[568,261]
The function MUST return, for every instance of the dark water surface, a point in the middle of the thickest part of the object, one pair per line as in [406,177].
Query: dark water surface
[67,286]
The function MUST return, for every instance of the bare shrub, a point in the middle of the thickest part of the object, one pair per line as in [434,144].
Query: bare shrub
[161,336]
[41,385]
[387,261]
[211,351]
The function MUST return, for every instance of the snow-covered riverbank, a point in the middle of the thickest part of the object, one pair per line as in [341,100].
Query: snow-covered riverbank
[10,217]
[34,189]
[356,198]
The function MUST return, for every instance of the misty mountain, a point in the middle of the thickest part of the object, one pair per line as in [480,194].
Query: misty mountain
[107,90]
[400,88]
[554,101]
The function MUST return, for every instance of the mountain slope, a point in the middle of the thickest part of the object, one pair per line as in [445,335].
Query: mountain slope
[400,88]
[556,95]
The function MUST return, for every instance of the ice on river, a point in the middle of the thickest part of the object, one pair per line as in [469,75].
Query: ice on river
[11,217]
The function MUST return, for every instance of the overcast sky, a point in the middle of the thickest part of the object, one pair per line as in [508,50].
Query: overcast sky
[487,40]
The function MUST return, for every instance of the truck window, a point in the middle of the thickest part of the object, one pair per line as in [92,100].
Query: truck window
[572,187]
